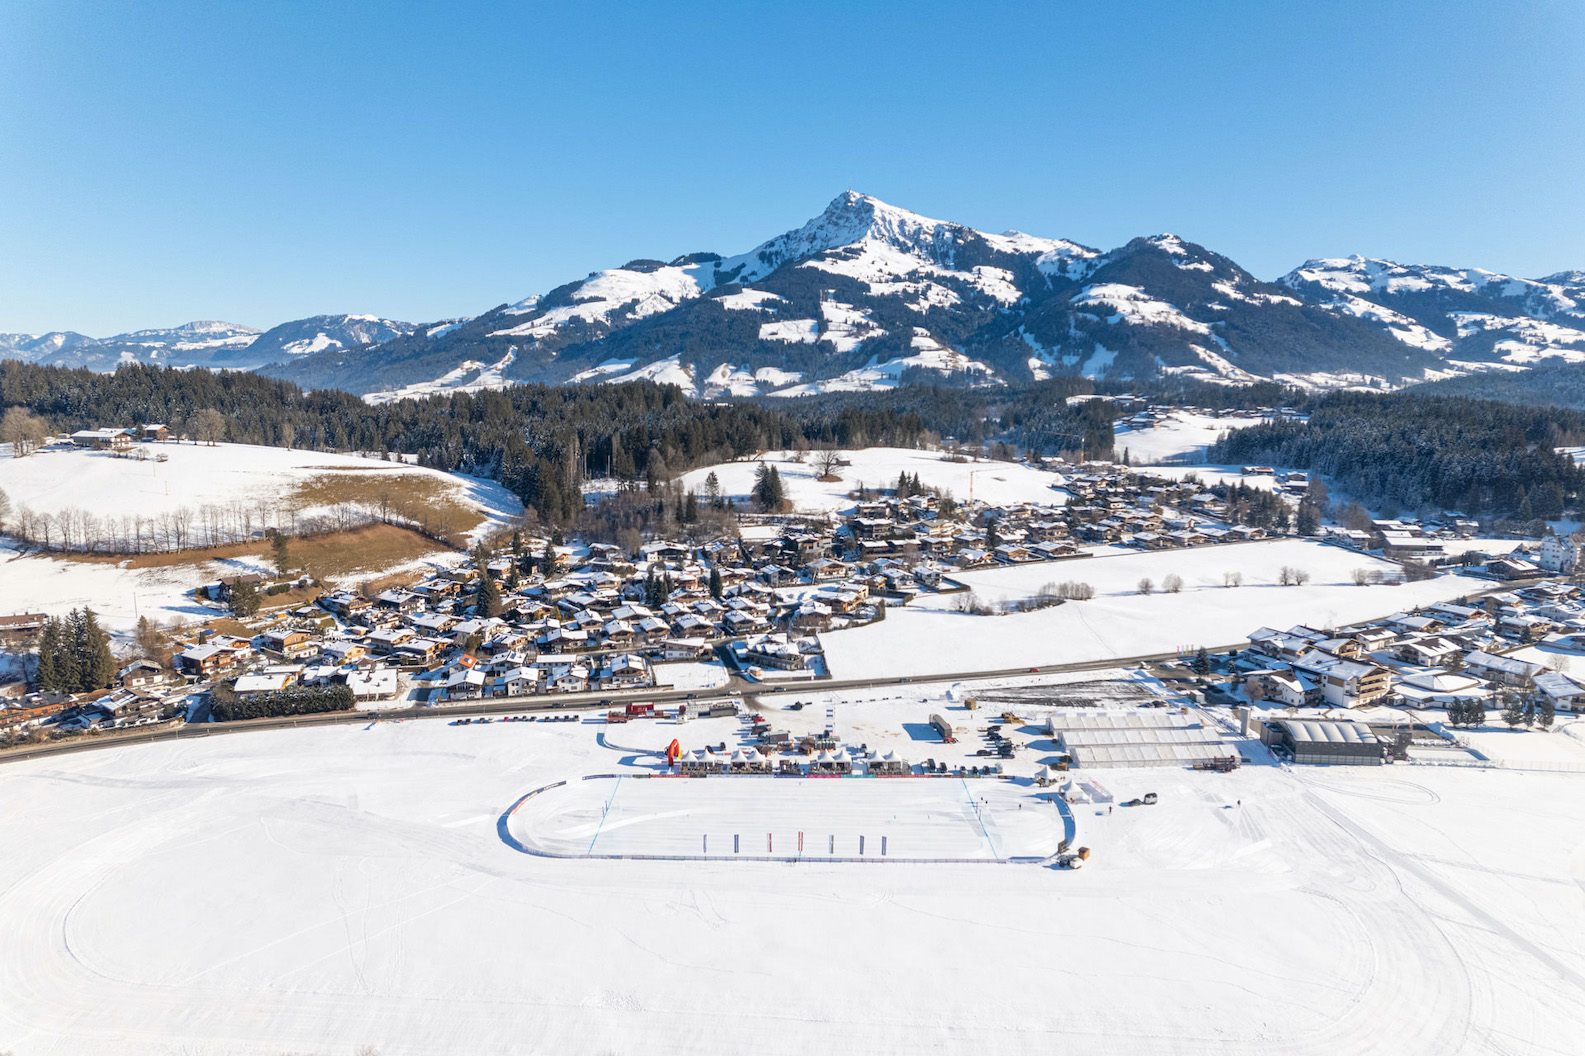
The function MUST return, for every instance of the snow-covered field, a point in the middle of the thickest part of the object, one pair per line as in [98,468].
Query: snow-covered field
[1002,483]
[1180,433]
[692,675]
[199,475]
[929,636]
[119,595]
[322,890]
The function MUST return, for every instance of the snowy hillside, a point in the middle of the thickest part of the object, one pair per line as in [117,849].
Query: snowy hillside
[319,333]
[268,482]
[1472,319]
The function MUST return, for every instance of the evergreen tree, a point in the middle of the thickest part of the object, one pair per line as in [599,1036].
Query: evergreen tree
[244,598]
[1546,713]
[1201,664]
[993,538]
[1513,713]
[98,666]
[51,653]
[1308,523]
[280,553]
[1476,715]
[715,582]
[486,596]
[549,561]
[768,488]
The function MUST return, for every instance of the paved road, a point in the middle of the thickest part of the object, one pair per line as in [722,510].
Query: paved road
[570,702]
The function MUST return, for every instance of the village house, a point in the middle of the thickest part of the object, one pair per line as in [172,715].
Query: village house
[102,439]
[1503,670]
[287,643]
[22,629]
[140,673]
[376,684]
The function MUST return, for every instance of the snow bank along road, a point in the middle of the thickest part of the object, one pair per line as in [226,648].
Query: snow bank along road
[323,889]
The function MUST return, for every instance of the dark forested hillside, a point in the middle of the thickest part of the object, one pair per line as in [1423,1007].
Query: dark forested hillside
[1558,386]
[1418,452]
[544,442]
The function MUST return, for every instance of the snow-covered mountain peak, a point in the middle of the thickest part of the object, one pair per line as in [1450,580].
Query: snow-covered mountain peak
[852,219]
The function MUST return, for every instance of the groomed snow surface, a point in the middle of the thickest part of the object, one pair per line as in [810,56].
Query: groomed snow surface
[918,820]
[1001,483]
[928,636]
[321,890]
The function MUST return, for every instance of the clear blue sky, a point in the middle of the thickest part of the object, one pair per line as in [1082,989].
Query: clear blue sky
[259,161]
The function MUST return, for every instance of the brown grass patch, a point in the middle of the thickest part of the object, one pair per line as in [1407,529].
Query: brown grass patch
[337,555]
[371,548]
[432,503]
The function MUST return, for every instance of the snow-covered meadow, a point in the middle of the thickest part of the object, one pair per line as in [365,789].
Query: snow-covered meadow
[195,476]
[878,467]
[1181,433]
[929,636]
[265,485]
[322,890]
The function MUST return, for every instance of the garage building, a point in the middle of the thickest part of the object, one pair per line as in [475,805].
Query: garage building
[1325,743]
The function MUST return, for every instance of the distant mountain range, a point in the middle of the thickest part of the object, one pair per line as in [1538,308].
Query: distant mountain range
[204,344]
[867,296]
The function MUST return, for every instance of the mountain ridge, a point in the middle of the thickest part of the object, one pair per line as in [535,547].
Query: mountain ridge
[868,295]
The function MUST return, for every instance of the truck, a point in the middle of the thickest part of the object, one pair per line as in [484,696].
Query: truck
[944,728]
[640,711]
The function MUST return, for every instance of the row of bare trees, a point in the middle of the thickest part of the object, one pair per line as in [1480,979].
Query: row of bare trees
[184,527]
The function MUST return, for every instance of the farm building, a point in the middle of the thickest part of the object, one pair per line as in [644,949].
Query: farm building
[1325,743]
